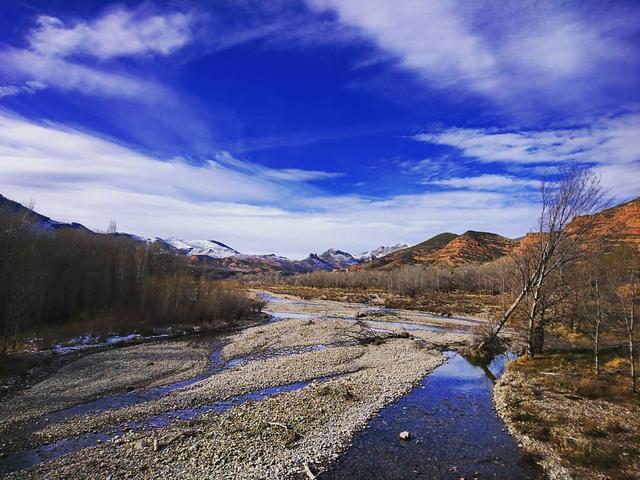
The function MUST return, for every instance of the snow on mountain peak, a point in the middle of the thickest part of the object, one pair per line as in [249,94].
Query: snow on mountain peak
[209,248]
[380,252]
[338,258]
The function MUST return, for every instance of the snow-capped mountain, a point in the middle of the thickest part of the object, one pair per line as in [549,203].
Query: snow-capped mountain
[209,248]
[338,258]
[380,252]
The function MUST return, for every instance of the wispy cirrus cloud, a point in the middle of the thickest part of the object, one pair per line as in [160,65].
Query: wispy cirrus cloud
[281,174]
[29,67]
[430,38]
[487,182]
[36,155]
[522,57]
[610,144]
[430,169]
[29,87]
[603,140]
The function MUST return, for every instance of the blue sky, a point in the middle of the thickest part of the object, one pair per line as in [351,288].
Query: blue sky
[294,126]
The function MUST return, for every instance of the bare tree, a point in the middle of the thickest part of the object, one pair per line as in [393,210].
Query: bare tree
[595,298]
[566,218]
[628,294]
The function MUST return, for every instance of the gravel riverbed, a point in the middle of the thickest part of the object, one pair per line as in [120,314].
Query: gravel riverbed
[275,437]
[105,372]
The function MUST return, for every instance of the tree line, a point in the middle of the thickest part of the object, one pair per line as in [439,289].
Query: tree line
[409,280]
[49,278]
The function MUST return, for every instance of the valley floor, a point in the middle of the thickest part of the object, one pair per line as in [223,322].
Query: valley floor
[272,401]
[289,398]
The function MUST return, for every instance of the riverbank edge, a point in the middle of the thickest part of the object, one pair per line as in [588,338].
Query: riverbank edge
[45,363]
[548,460]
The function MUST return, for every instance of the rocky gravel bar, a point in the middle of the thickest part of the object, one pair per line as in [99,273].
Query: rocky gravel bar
[343,372]
[99,374]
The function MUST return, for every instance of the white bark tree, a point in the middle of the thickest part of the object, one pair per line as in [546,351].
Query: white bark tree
[567,206]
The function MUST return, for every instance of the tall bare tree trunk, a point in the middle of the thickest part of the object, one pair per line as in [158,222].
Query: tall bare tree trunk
[632,359]
[534,330]
[5,337]
[596,348]
[576,194]
[14,343]
[596,340]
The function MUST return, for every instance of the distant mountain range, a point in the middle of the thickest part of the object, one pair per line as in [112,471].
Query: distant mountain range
[619,224]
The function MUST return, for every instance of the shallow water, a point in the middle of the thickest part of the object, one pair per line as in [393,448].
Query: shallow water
[216,365]
[455,432]
[51,451]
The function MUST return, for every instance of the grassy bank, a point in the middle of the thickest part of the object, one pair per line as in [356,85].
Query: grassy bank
[573,421]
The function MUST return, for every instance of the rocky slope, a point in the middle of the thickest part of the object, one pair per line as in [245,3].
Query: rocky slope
[619,224]
[473,247]
[338,259]
[418,254]
[449,249]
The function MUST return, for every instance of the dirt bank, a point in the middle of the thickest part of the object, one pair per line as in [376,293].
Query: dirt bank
[576,424]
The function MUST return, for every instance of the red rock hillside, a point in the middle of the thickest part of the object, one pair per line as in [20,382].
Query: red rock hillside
[619,224]
[474,247]
[449,249]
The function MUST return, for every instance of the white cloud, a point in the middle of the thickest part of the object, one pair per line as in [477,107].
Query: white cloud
[31,67]
[523,56]
[60,55]
[76,176]
[117,33]
[282,174]
[488,182]
[429,37]
[29,87]
[611,144]
[35,156]
[429,169]
[606,140]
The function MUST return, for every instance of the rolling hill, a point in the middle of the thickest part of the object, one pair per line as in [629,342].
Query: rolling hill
[449,249]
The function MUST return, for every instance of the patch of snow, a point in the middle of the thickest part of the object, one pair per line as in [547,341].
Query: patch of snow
[90,341]
[339,258]
[209,248]
[120,339]
[381,252]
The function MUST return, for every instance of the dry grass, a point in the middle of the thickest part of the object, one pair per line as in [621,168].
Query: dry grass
[588,421]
